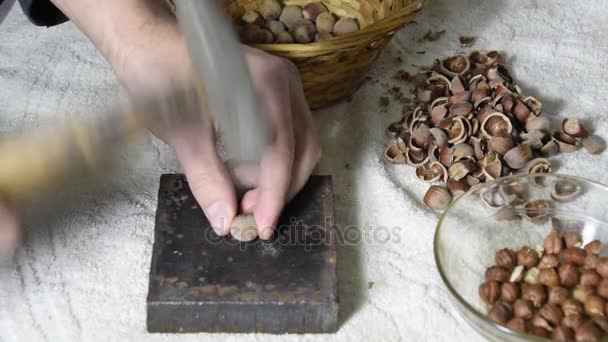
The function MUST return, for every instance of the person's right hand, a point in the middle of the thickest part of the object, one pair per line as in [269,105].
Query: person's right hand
[9,230]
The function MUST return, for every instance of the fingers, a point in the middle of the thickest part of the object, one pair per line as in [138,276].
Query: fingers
[268,199]
[9,231]
[307,149]
[207,176]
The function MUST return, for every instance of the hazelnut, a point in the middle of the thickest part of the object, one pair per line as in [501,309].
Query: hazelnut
[523,309]
[500,313]
[253,34]
[549,260]
[594,247]
[588,331]
[540,332]
[271,9]
[313,10]
[527,257]
[602,267]
[594,305]
[581,293]
[244,228]
[561,333]
[552,313]
[325,23]
[290,15]
[284,38]
[303,31]
[531,276]
[568,275]
[590,278]
[591,261]
[276,27]
[573,321]
[572,307]
[601,322]
[489,292]
[323,36]
[594,144]
[252,17]
[509,292]
[517,324]
[506,258]
[553,243]
[437,197]
[548,277]
[602,288]
[345,26]
[557,295]
[539,321]
[574,255]
[572,239]
[517,275]
[497,273]
[534,293]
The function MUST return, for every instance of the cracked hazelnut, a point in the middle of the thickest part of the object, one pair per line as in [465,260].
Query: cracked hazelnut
[573,321]
[553,243]
[500,313]
[591,261]
[568,275]
[581,293]
[557,295]
[509,292]
[590,278]
[517,324]
[588,331]
[594,247]
[548,261]
[561,333]
[506,258]
[540,332]
[548,277]
[594,305]
[534,293]
[527,257]
[552,313]
[489,292]
[602,288]
[574,255]
[572,307]
[602,267]
[531,276]
[572,239]
[497,273]
[523,309]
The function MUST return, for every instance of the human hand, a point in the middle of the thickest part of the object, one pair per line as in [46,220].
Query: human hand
[286,164]
[9,230]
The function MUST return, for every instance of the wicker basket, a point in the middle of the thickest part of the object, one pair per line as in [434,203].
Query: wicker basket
[335,69]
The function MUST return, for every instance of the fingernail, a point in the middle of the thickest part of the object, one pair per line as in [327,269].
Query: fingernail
[217,214]
[266,233]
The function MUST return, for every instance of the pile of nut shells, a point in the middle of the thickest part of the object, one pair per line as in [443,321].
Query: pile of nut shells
[293,24]
[558,290]
[471,123]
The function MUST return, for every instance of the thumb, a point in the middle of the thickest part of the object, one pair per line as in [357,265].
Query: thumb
[210,183]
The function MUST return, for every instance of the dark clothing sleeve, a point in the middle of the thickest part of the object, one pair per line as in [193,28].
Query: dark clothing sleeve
[42,12]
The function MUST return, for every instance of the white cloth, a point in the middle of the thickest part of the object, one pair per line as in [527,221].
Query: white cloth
[84,276]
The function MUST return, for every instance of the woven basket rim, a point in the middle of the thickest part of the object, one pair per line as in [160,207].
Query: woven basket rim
[370,32]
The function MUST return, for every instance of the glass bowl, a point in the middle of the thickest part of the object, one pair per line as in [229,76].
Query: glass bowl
[510,212]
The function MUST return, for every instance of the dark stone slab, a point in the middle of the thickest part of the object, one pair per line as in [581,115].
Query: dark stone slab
[200,282]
